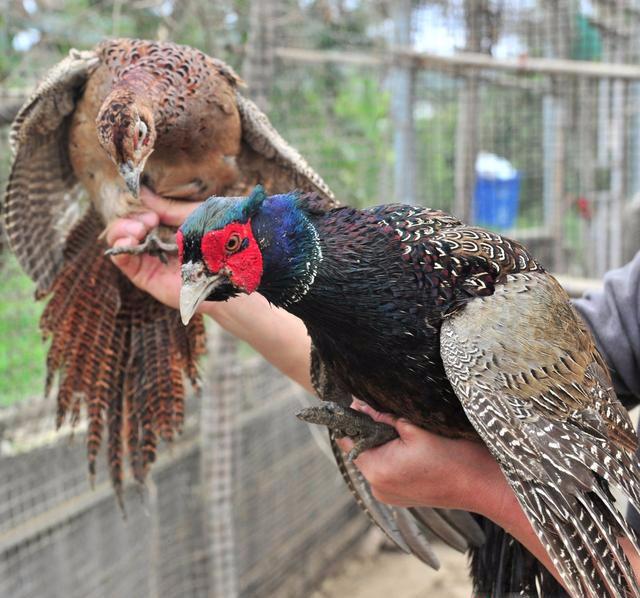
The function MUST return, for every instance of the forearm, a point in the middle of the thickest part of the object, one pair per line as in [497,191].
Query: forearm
[278,336]
[498,503]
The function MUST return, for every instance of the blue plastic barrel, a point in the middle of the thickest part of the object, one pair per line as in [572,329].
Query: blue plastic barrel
[496,201]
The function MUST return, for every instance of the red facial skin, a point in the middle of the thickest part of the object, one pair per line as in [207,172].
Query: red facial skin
[180,244]
[232,251]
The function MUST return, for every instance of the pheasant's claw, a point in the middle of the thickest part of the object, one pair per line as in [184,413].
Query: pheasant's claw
[354,453]
[344,421]
[153,245]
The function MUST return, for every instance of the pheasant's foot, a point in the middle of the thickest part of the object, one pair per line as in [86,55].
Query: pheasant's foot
[152,245]
[344,421]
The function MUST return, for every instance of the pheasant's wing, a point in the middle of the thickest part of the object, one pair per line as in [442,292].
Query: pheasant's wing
[42,199]
[268,159]
[531,382]
[410,529]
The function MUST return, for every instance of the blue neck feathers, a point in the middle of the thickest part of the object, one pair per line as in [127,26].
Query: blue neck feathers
[290,248]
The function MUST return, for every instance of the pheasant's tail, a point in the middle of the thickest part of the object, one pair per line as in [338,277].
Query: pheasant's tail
[119,352]
[411,530]
[582,539]
[503,568]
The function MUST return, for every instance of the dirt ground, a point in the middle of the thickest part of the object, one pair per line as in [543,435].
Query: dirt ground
[391,574]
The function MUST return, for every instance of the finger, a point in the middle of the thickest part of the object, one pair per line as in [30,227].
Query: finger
[128,263]
[378,416]
[126,227]
[149,219]
[345,444]
[408,431]
[170,211]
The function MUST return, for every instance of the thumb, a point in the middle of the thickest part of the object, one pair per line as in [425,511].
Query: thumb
[406,430]
[170,211]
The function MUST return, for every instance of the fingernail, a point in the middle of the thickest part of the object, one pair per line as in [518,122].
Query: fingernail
[149,219]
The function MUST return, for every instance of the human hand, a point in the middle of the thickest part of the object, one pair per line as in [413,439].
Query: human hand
[148,273]
[423,469]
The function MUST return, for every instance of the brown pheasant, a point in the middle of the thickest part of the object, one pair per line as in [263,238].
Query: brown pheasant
[99,124]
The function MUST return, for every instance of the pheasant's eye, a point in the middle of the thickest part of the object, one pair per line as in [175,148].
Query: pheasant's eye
[140,136]
[233,243]
[142,130]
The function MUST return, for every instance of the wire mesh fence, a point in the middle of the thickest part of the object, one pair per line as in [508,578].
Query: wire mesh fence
[226,511]
[389,101]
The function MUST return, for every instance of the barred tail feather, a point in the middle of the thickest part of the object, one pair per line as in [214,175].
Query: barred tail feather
[118,351]
[411,530]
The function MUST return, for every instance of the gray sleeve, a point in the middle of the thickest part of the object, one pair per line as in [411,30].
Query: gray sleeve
[613,315]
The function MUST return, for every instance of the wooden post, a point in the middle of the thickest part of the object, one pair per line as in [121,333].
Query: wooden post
[259,64]
[555,118]
[587,92]
[402,102]
[482,26]
[559,257]
[217,433]
[617,33]
[633,157]
[601,220]
[618,94]
[466,148]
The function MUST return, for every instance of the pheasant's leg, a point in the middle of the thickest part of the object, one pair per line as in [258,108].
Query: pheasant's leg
[153,245]
[344,421]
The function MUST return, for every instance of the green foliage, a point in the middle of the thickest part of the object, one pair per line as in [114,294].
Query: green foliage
[362,112]
[435,133]
[22,352]
[339,120]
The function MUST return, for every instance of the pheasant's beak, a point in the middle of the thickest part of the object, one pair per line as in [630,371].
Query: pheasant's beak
[131,175]
[197,285]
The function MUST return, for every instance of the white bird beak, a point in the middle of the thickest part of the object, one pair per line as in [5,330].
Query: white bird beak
[196,287]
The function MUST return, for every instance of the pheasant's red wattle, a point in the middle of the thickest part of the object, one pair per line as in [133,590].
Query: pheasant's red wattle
[243,267]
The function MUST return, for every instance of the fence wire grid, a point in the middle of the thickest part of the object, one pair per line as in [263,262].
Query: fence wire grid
[389,101]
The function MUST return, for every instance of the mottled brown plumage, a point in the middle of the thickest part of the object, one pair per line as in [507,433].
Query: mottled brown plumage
[99,120]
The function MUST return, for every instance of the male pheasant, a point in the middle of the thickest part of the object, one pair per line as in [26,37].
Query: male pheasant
[100,123]
[462,332]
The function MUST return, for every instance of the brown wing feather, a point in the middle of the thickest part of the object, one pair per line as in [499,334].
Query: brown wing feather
[41,199]
[268,159]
